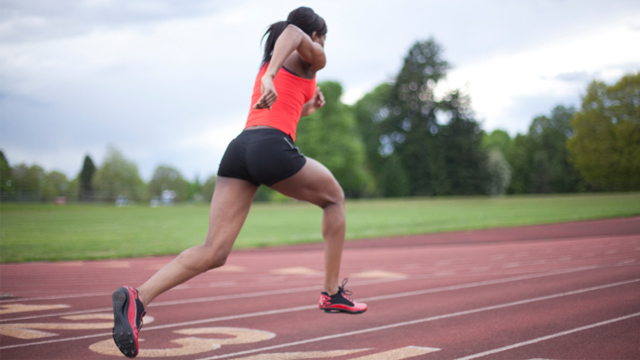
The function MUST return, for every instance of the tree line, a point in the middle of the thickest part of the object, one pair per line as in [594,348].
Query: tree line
[401,139]
[116,178]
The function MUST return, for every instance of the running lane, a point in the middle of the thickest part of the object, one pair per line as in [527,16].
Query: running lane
[553,292]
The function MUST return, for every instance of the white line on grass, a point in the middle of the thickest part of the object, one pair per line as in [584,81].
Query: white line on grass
[544,338]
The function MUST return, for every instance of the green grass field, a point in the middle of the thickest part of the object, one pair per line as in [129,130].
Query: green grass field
[77,232]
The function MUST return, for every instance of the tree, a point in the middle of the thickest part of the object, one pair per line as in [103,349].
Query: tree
[207,188]
[55,184]
[551,170]
[499,140]
[29,182]
[118,176]
[539,160]
[606,145]
[168,178]
[330,136]
[436,141]
[86,179]
[7,183]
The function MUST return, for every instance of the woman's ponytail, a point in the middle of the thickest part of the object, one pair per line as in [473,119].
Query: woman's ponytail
[272,33]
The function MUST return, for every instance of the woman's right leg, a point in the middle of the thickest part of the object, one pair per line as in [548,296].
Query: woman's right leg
[230,205]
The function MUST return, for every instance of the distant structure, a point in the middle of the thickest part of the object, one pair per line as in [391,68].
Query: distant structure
[168,197]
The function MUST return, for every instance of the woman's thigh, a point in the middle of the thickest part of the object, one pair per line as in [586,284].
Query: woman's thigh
[313,183]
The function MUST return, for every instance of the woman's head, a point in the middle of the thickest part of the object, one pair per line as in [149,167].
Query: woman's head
[304,18]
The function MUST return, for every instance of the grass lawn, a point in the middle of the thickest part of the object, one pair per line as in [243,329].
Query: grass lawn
[31,232]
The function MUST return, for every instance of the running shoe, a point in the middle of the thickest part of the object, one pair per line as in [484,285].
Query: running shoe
[340,302]
[127,320]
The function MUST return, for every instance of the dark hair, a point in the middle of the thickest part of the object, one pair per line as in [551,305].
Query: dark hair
[303,17]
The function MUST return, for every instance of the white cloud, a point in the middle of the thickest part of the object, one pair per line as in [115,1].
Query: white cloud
[497,84]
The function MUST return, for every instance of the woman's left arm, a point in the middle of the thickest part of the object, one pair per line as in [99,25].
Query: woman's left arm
[314,104]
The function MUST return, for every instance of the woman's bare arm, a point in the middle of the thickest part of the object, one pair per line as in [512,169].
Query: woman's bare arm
[314,104]
[291,39]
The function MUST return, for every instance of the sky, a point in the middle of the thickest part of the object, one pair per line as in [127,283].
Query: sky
[168,82]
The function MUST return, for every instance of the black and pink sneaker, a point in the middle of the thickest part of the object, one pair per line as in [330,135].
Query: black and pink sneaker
[127,320]
[340,302]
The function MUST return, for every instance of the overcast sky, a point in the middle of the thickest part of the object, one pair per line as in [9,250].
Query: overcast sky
[168,82]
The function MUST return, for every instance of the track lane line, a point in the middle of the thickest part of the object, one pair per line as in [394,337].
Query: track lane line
[419,321]
[310,307]
[548,337]
[382,297]
[308,288]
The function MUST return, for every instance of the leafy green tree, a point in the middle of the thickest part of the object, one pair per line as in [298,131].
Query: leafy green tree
[436,141]
[606,145]
[207,188]
[7,183]
[330,136]
[539,160]
[118,176]
[55,184]
[521,161]
[168,178]
[499,173]
[499,140]
[29,182]
[86,179]
[551,170]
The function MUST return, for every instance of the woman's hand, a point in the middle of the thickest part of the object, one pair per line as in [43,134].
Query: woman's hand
[314,104]
[269,94]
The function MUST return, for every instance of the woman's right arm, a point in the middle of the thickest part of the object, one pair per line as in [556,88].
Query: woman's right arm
[291,39]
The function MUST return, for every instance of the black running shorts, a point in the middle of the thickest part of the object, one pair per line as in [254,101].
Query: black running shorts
[261,156]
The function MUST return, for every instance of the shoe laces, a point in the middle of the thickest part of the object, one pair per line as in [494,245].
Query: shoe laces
[142,320]
[345,292]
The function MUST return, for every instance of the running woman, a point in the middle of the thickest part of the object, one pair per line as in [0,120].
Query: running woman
[264,153]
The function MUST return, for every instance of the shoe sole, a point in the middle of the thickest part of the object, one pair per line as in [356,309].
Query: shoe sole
[122,330]
[336,311]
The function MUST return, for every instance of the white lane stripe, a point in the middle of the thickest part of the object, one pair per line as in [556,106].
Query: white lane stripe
[198,300]
[544,338]
[271,312]
[413,322]
[278,292]
[308,288]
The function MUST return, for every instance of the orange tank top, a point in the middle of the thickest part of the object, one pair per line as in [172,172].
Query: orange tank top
[293,92]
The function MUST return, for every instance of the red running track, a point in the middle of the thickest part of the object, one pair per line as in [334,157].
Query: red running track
[562,291]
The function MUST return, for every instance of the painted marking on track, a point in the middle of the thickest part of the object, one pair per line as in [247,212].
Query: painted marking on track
[378,274]
[543,338]
[297,270]
[302,355]
[395,354]
[511,265]
[70,263]
[192,345]
[419,321]
[32,330]
[312,307]
[114,264]
[20,308]
[399,354]
[230,268]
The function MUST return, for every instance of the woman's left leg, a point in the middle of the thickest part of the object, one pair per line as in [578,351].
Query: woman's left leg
[314,183]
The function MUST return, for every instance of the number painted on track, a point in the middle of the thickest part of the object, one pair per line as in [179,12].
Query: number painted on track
[32,330]
[192,345]
[396,354]
[19,308]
